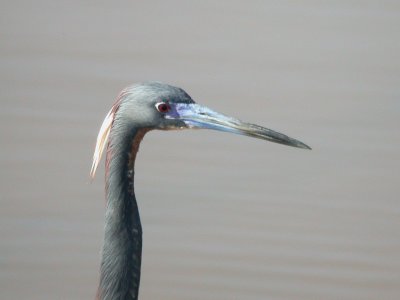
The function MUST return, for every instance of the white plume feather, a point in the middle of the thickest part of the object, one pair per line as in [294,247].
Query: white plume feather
[101,142]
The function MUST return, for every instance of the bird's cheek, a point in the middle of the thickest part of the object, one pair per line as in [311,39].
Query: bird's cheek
[172,125]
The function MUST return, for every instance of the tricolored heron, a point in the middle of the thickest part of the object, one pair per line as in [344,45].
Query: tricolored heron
[139,109]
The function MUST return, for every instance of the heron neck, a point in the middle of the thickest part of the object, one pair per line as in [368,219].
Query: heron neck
[122,250]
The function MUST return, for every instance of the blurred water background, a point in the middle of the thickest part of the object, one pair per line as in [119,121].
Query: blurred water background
[224,217]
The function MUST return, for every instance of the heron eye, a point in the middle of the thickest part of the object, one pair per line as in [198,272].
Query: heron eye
[163,107]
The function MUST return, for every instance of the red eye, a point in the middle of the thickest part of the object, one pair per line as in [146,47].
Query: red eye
[163,107]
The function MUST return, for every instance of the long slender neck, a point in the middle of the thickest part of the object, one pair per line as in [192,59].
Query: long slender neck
[122,250]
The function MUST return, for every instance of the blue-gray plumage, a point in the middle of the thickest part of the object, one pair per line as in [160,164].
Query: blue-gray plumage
[139,109]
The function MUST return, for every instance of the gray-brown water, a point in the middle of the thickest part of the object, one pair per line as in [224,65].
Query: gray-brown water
[225,217]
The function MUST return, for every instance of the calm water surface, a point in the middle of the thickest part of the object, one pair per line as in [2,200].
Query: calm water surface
[224,217]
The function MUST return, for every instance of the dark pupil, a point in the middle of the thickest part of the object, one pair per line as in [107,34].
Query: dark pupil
[163,107]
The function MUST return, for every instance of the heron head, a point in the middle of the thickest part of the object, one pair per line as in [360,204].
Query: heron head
[156,105]
[152,106]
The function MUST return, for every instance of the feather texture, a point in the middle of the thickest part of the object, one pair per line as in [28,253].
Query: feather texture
[101,142]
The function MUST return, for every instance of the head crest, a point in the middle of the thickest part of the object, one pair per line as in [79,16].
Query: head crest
[104,132]
[101,142]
